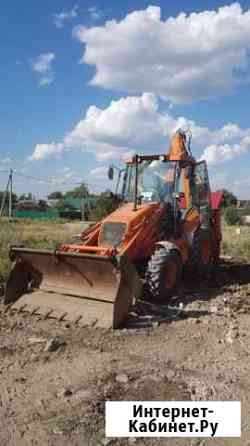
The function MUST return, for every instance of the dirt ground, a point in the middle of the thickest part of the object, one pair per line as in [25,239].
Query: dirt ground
[55,396]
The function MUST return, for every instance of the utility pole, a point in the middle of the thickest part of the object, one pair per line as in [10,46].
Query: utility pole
[82,206]
[84,200]
[4,197]
[10,194]
[85,203]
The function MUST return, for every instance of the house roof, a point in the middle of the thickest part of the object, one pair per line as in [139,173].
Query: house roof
[216,198]
[76,203]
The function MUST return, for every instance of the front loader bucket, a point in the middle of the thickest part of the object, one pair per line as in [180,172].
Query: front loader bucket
[85,288]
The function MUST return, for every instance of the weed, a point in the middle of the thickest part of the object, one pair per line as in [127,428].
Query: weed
[31,233]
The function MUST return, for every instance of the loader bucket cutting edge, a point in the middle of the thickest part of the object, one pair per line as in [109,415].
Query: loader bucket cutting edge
[76,287]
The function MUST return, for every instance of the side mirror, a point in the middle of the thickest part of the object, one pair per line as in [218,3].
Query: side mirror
[111,173]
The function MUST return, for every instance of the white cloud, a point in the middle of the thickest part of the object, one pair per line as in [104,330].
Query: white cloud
[61,18]
[95,13]
[42,65]
[219,153]
[66,177]
[240,187]
[238,184]
[6,160]
[137,121]
[183,58]
[69,175]
[99,172]
[45,150]
[136,124]
[65,169]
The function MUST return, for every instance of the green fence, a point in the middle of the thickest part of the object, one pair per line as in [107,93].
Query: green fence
[37,215]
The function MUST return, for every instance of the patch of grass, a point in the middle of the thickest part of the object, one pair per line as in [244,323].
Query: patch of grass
[243,211]
[33,234]
[50,234]
[236,241]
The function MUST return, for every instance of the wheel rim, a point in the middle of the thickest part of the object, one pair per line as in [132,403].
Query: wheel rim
[170,275]
[205,252]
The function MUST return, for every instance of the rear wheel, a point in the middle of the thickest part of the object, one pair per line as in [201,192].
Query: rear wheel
[201,254]
[163,273]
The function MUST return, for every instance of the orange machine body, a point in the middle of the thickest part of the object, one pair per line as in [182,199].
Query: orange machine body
[167,219]
[142,227]
[141,231]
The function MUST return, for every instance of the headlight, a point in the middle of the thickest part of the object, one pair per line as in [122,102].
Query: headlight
[112,233]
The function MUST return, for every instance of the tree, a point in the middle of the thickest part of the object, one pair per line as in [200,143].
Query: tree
[104,206]
[231,216]
[79,192]
[14,198]
[229,199]
[28,196]
[63,206]
[57,195]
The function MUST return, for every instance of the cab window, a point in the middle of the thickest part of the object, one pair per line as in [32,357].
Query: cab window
[200,188]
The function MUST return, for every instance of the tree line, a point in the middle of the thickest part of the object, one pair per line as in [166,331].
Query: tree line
[104,204]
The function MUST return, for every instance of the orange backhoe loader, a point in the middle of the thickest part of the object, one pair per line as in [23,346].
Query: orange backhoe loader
[168,220]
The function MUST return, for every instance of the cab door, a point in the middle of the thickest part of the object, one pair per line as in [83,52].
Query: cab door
[200,191]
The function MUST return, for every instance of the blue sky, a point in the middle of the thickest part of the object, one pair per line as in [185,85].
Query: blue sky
[78,93]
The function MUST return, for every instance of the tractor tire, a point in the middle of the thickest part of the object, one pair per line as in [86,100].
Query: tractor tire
[201,252]
[163,273]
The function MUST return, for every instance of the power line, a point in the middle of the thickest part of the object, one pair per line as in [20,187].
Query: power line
[33,178]
[55,183]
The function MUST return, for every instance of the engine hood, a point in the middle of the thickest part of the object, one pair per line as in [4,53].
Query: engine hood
[126,214]
[130,231]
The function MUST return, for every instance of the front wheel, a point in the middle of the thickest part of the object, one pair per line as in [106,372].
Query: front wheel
[201,253]
[163,273]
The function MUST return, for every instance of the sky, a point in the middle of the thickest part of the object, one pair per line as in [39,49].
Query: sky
[85,84]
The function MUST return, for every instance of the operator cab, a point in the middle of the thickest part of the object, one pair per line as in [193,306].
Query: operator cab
[158,180]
